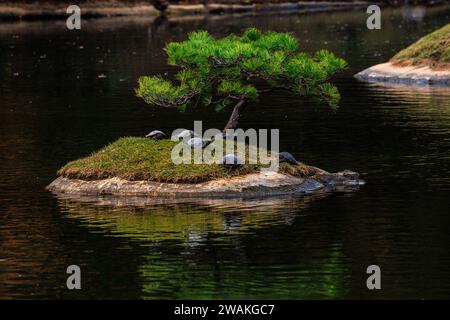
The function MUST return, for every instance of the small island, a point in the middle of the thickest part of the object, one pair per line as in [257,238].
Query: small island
[135,166]
[227,73]
[426,62]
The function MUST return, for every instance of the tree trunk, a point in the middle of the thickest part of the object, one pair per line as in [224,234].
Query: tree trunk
[160,5]
[233,122]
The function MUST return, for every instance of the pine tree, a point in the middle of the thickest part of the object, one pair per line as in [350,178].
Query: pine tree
[233,70]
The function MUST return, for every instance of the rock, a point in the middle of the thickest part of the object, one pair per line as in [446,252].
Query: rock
[265,183]
[342,178]
[410,75]
[348,174]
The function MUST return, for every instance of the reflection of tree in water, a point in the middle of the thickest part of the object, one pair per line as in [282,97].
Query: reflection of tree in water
[228,270]
[212,248]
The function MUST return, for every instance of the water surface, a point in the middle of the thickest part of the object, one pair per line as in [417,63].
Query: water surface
[65,94]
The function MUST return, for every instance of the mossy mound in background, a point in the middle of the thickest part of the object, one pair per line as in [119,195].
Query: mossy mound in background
[432,50]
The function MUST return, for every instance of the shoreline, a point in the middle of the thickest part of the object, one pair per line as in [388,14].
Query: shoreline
[48,11]
[37,11]
[300,6]
[411,75]
[250,185]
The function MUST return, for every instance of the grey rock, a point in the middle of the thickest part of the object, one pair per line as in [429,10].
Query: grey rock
[371,75]
[261,184]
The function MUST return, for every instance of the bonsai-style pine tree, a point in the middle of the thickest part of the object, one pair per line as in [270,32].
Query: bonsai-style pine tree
[237,69]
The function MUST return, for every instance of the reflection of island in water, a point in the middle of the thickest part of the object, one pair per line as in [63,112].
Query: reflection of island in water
[155,219]
[209,248]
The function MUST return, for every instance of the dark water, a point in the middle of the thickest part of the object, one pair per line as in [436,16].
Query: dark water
[55,108]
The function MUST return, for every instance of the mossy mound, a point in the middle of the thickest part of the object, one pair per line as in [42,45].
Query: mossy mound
[433,50]
[135,159]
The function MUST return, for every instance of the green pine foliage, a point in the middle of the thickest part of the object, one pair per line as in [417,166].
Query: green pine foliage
[219,72]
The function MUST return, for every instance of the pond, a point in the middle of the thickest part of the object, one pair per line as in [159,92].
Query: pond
[64,94]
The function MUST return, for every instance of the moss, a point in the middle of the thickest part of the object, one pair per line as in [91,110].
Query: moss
[432,50]
[134,158]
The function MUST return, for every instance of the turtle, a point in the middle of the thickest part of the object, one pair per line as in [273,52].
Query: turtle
[231,160]
[156,135]
[197,142]
[287,157]
[185,134]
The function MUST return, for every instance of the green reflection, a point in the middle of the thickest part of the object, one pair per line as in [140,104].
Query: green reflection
[190,280]
[199,249]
